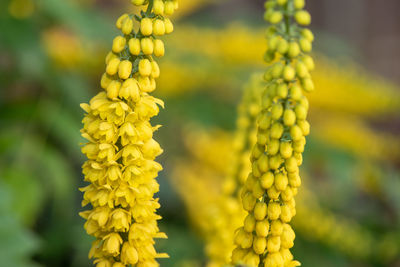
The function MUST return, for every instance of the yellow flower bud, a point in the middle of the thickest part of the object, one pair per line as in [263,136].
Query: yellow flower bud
[286,214]
[147,46]
[302,17]
[273,244]
[158,7]
[293,50]
[289,117]
[275,17]
[120,20]
[283,46]
[295,92]
[118,44]
[281,2]
[264,121]
[247,241]
[308,84]
[129,254]
[260,211]
[263,163]
[112,66]
[144,67]
[276,130]
[301,112]
[273,146]
[130,90]
[248,201]
[309,62]
[276,227]
[295,132]
[298,146]
[262,228]
[169,27]
[286,150]
[155,70]
[304,126]
[158,27]
[299,4]
[275,162]
[137,2]
[113,89]
[238,254]
[274,259]
[105,81]
[301,70]
[276,111]
[258,191]
[274,211]
[288,236]
[145,84]
[249,223]
[273,193]
[281,181]
[277,70]
[146,26]
[305,45]
[306,33]
[124,69]
[112,244]
[288,73]
[267,180]
[291,164]
[159,49]
[127,26]
[282,90]
[239,236]
[259,245]
[169,8]
[251,259]
[134,46]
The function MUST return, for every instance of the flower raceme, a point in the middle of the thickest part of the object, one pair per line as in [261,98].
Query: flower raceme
[268,194]
[121,150]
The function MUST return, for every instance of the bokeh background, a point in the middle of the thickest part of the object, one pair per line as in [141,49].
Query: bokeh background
[52,57]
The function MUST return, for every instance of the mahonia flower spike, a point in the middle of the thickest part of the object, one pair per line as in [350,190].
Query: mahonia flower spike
[268,194]
[120,147]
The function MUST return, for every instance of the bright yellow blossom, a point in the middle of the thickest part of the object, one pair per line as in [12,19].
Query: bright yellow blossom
[121,151]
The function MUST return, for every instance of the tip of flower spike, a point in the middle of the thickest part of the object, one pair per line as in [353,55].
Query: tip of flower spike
[162,255]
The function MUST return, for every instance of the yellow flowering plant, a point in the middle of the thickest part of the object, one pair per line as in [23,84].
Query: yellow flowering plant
[268,195]
[121,150]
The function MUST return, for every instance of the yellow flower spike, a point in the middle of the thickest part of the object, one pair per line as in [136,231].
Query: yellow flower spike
[121,152]
[281,132]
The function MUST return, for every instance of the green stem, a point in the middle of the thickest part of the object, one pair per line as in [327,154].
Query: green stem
[149,7]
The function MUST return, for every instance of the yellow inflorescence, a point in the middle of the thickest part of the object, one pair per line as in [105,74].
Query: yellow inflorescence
[121,149]
[268,194]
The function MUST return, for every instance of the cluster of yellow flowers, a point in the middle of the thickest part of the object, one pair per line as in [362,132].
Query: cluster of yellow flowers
[268,194]
[121,149]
